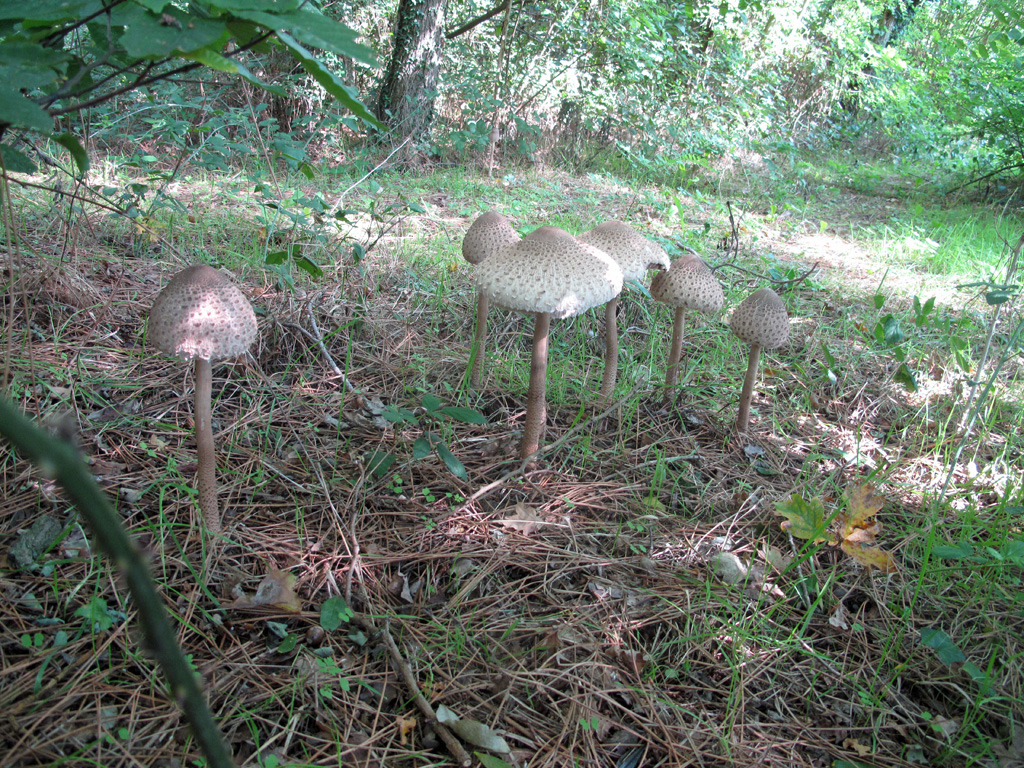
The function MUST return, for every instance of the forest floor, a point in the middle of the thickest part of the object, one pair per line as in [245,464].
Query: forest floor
[631,601]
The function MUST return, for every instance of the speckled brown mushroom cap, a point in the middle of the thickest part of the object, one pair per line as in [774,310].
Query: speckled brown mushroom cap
[689,284]
[634,253]
[201,314]
[549,271]
[486,236]
[761,320]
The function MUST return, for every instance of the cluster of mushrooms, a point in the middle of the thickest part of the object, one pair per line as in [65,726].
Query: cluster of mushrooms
[552,274]
[201,316]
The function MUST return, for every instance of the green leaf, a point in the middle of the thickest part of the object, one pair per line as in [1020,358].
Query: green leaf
[277,257]
[1001,295]
[78,154]
[395,415]
[309,267]
[1013,550]
[17,110]
[15,161]
[430,402]
[959,551]
[314,30]
[455,466]
[948,651]
[334,612]
[979,677]
[490,761]
[905,377]
[379,462]
[421,447]
[465,415]
[25,66]
[805,519]
[155,37]
[893,332]
[347,95]
[274,6]
[46,12]
[99,616]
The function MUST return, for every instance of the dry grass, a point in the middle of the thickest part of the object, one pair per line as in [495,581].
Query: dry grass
[595,634]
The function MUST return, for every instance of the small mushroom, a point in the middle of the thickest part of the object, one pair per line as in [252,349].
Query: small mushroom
[486,236]
[200,315]
[762,322]
[687,284]
[550,274]
[635,255]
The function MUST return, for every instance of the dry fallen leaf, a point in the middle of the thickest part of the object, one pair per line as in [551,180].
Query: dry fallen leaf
[525,519]
[406,725]
[861,505]
[860,531]
[861,749]
[277,589]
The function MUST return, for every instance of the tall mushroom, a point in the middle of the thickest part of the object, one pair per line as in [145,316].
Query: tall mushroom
[550,274]
[762,322]
[687,284]
[487,235]
[635,254]
[200,315]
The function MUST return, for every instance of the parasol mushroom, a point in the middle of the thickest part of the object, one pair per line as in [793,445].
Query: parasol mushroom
[550,274]
[762,322]
[200,315]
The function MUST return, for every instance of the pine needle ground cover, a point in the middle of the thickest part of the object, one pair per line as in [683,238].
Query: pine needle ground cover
[839,587]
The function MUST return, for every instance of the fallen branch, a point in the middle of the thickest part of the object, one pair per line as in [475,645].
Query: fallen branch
[454,745]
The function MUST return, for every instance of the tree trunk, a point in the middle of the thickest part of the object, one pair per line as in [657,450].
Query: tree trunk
[406,99]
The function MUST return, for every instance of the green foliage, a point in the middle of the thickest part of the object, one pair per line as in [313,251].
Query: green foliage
[334,612]
[434,411]
[951,90]
[61,58]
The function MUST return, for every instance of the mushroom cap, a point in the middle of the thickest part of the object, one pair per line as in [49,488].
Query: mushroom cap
[689,284]
[201,314]
[549,271]
[486,236]
[761,319]
[634,253]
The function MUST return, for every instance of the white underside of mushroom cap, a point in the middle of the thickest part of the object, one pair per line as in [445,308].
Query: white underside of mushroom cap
[549,271]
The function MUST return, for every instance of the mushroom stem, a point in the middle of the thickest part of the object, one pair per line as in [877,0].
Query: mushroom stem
[536,404]
[611,349]
[743,418]
[480,340]
[672,375]
[207,471]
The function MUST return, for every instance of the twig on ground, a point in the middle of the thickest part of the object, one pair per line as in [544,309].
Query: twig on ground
[453,744]
[316,338]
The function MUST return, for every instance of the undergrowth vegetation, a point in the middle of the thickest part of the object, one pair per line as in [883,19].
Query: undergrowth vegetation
[632,600]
